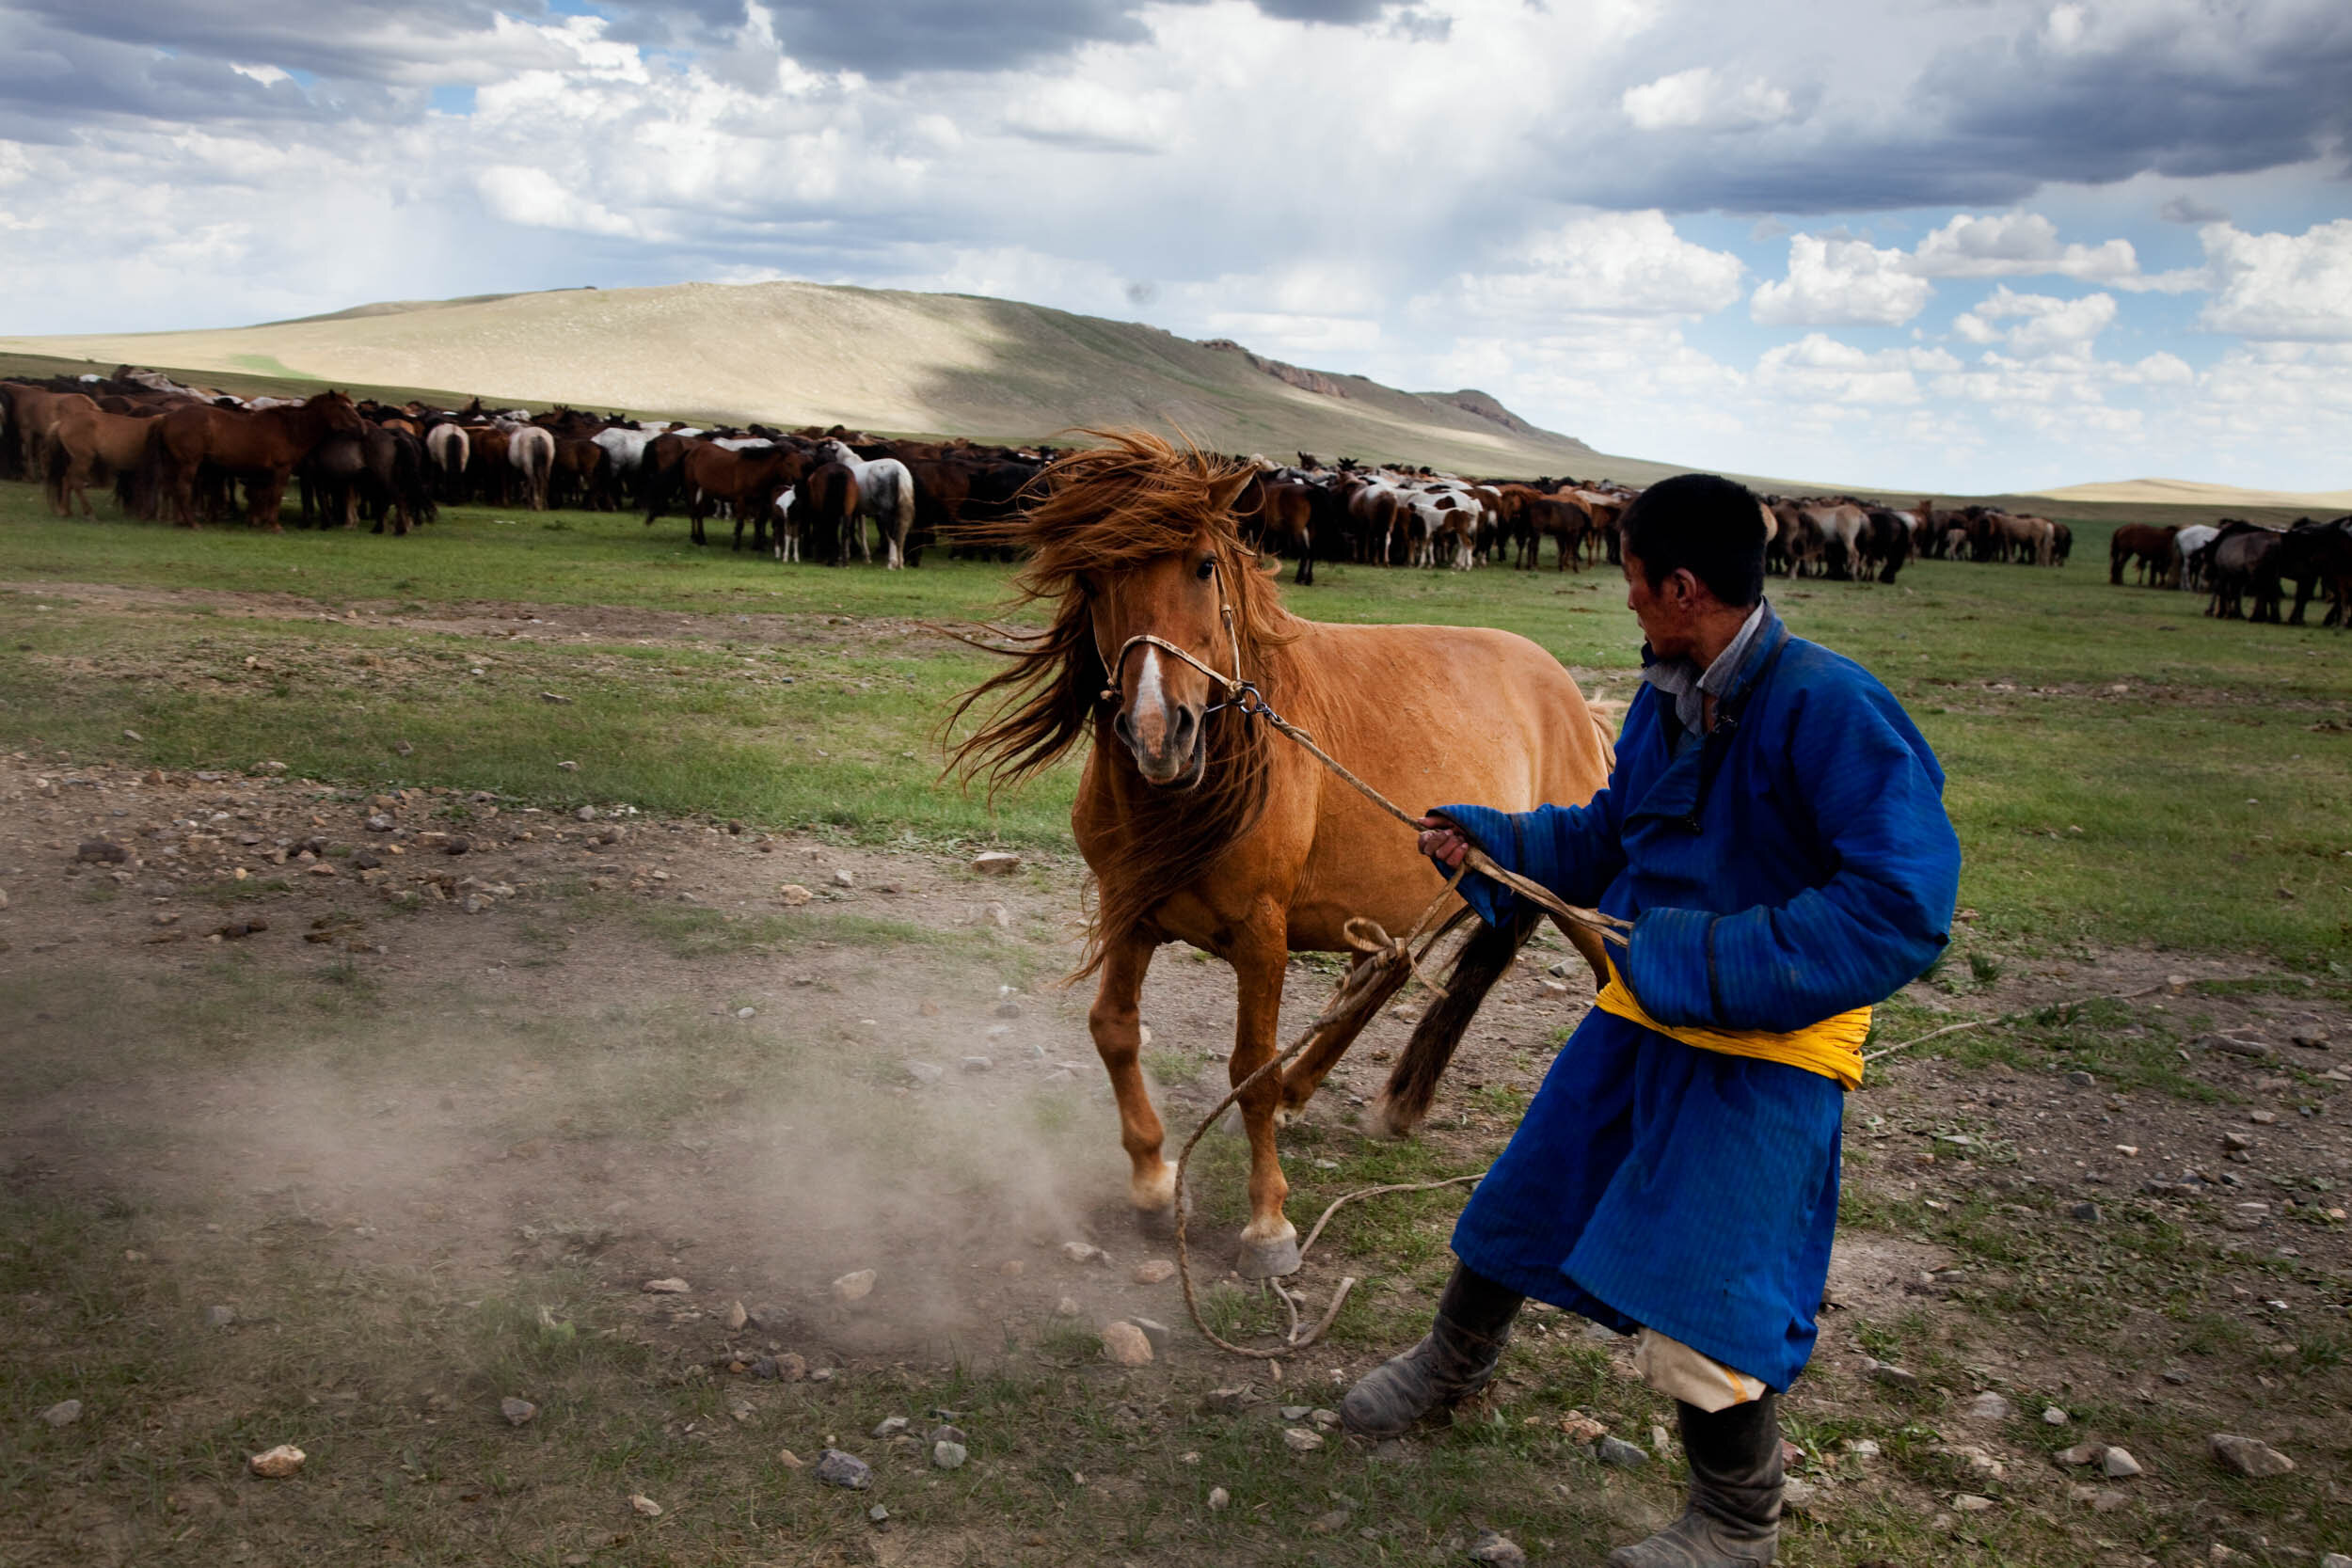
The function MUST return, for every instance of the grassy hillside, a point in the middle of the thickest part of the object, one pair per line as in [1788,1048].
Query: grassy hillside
[887,360]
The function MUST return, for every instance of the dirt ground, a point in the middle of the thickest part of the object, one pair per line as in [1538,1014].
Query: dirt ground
[443,1036]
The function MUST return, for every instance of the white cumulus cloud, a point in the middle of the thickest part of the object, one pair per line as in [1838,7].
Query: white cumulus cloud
[2293,287]
[1835,282]
[1701,99]
[1601,263]
[2044,323]
[534,198]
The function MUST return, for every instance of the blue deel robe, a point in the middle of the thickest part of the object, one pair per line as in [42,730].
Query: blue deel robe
[1791,865]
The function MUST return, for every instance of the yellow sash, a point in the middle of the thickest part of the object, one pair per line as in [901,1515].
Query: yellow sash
[1831,1047]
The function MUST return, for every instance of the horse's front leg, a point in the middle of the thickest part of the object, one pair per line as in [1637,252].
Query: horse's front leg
[1269,1242]
[1117,1028]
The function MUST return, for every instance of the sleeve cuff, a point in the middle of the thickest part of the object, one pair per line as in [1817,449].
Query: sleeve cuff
[1669,965]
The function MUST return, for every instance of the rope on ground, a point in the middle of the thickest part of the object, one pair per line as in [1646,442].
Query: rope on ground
[2009,1018]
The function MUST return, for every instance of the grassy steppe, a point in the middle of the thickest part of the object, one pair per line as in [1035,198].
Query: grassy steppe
[2121,768]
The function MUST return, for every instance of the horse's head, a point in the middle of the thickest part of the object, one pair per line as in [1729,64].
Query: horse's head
[340,412]
[1177,597]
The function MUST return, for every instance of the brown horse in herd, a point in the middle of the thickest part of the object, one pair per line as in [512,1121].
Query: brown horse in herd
[259,445]
[1203,826]
[88,445]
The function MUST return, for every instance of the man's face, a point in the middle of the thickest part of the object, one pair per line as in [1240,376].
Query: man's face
[1667,612]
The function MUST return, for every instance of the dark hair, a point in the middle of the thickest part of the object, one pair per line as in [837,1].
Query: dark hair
[1710,525]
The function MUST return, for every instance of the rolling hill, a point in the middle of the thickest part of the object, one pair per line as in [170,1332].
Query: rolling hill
[796,354]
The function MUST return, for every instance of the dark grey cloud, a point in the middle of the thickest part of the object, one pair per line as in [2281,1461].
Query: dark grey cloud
[1991,120]
[53,81]
[351,39]
[2187,209]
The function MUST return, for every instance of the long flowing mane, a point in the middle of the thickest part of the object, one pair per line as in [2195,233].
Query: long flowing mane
[1134,498]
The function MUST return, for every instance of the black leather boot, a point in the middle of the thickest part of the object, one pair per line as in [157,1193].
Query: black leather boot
[1452,1362]
[1733,1517]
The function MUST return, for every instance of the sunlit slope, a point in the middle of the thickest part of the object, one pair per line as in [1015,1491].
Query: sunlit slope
[886,360]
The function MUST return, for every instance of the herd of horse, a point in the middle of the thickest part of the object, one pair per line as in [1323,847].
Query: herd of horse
[834,494]
[2235,561]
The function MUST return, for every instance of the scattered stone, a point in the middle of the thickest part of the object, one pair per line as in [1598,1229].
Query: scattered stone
[1084,1252]
[2262,1119]
[1066,1308]
[791,1461]
[517,1412]
[2312,1039]
[1327,1419]
[585,814]
[1008,1010]
[278,1463]
[1012,1268]
[99,851]
[1330,1522]
[737,1318]
[1293,1411]
[1968,1502]
[457,844]
[567,766]
[853,1287]
[1616,1450]
[1800,1496]
[1219,1499]
[1155,1271]
[1862,1448]
[1494,1546]
[643,1507]
[1229,1400]
[772,1320]
[836,1468]
[2053,1415]
[2247,1456]
[1125,1345]
[219,1317]
[878,1514]
[947,1455]
[793,895]
[672,1287]
[995,862]
[63,1413]
[979,1064]
[844,878]
[999,917]
[2335,1559]
[1300,1440]
[553,697]
[889,1427]
[1888,1373]
[2237,1140]
[2086,1213]
[2082,1080]
[2252,1049]
[948,1432]
[926,1072]
[1155,1331]
[1988,1406]
[1582,1429]
[2118,1463]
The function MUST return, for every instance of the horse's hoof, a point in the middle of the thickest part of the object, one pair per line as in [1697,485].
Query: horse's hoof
[1389,1120]
[1267,1260]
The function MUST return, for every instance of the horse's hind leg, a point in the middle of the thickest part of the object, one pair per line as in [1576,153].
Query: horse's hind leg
[1118,1032]
[1413,1083]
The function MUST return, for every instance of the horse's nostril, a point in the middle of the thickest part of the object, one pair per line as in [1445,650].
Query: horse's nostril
[1123,726]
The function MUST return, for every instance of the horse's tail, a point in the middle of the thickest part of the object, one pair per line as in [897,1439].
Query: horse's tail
[1413,1083]
[55,460]
[154,483]
[661,487]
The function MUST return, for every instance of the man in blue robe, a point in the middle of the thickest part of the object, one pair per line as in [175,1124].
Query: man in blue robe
[1774,829]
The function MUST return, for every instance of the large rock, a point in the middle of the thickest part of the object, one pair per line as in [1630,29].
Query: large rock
[836,1468]
[1125,1345]
[1495,1547]
[2247,1456]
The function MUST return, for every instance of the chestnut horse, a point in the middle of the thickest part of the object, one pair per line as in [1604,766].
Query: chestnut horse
[259,445]
[1202,825]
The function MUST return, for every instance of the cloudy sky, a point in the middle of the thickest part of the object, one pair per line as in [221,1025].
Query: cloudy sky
[1964,244]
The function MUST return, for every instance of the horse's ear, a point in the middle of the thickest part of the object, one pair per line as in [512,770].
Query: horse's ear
[1224,492]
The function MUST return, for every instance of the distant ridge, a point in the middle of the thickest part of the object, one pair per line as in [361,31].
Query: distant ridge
[2189,492]
[887,360]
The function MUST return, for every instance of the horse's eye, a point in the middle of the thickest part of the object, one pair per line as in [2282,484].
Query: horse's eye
[1207,568]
